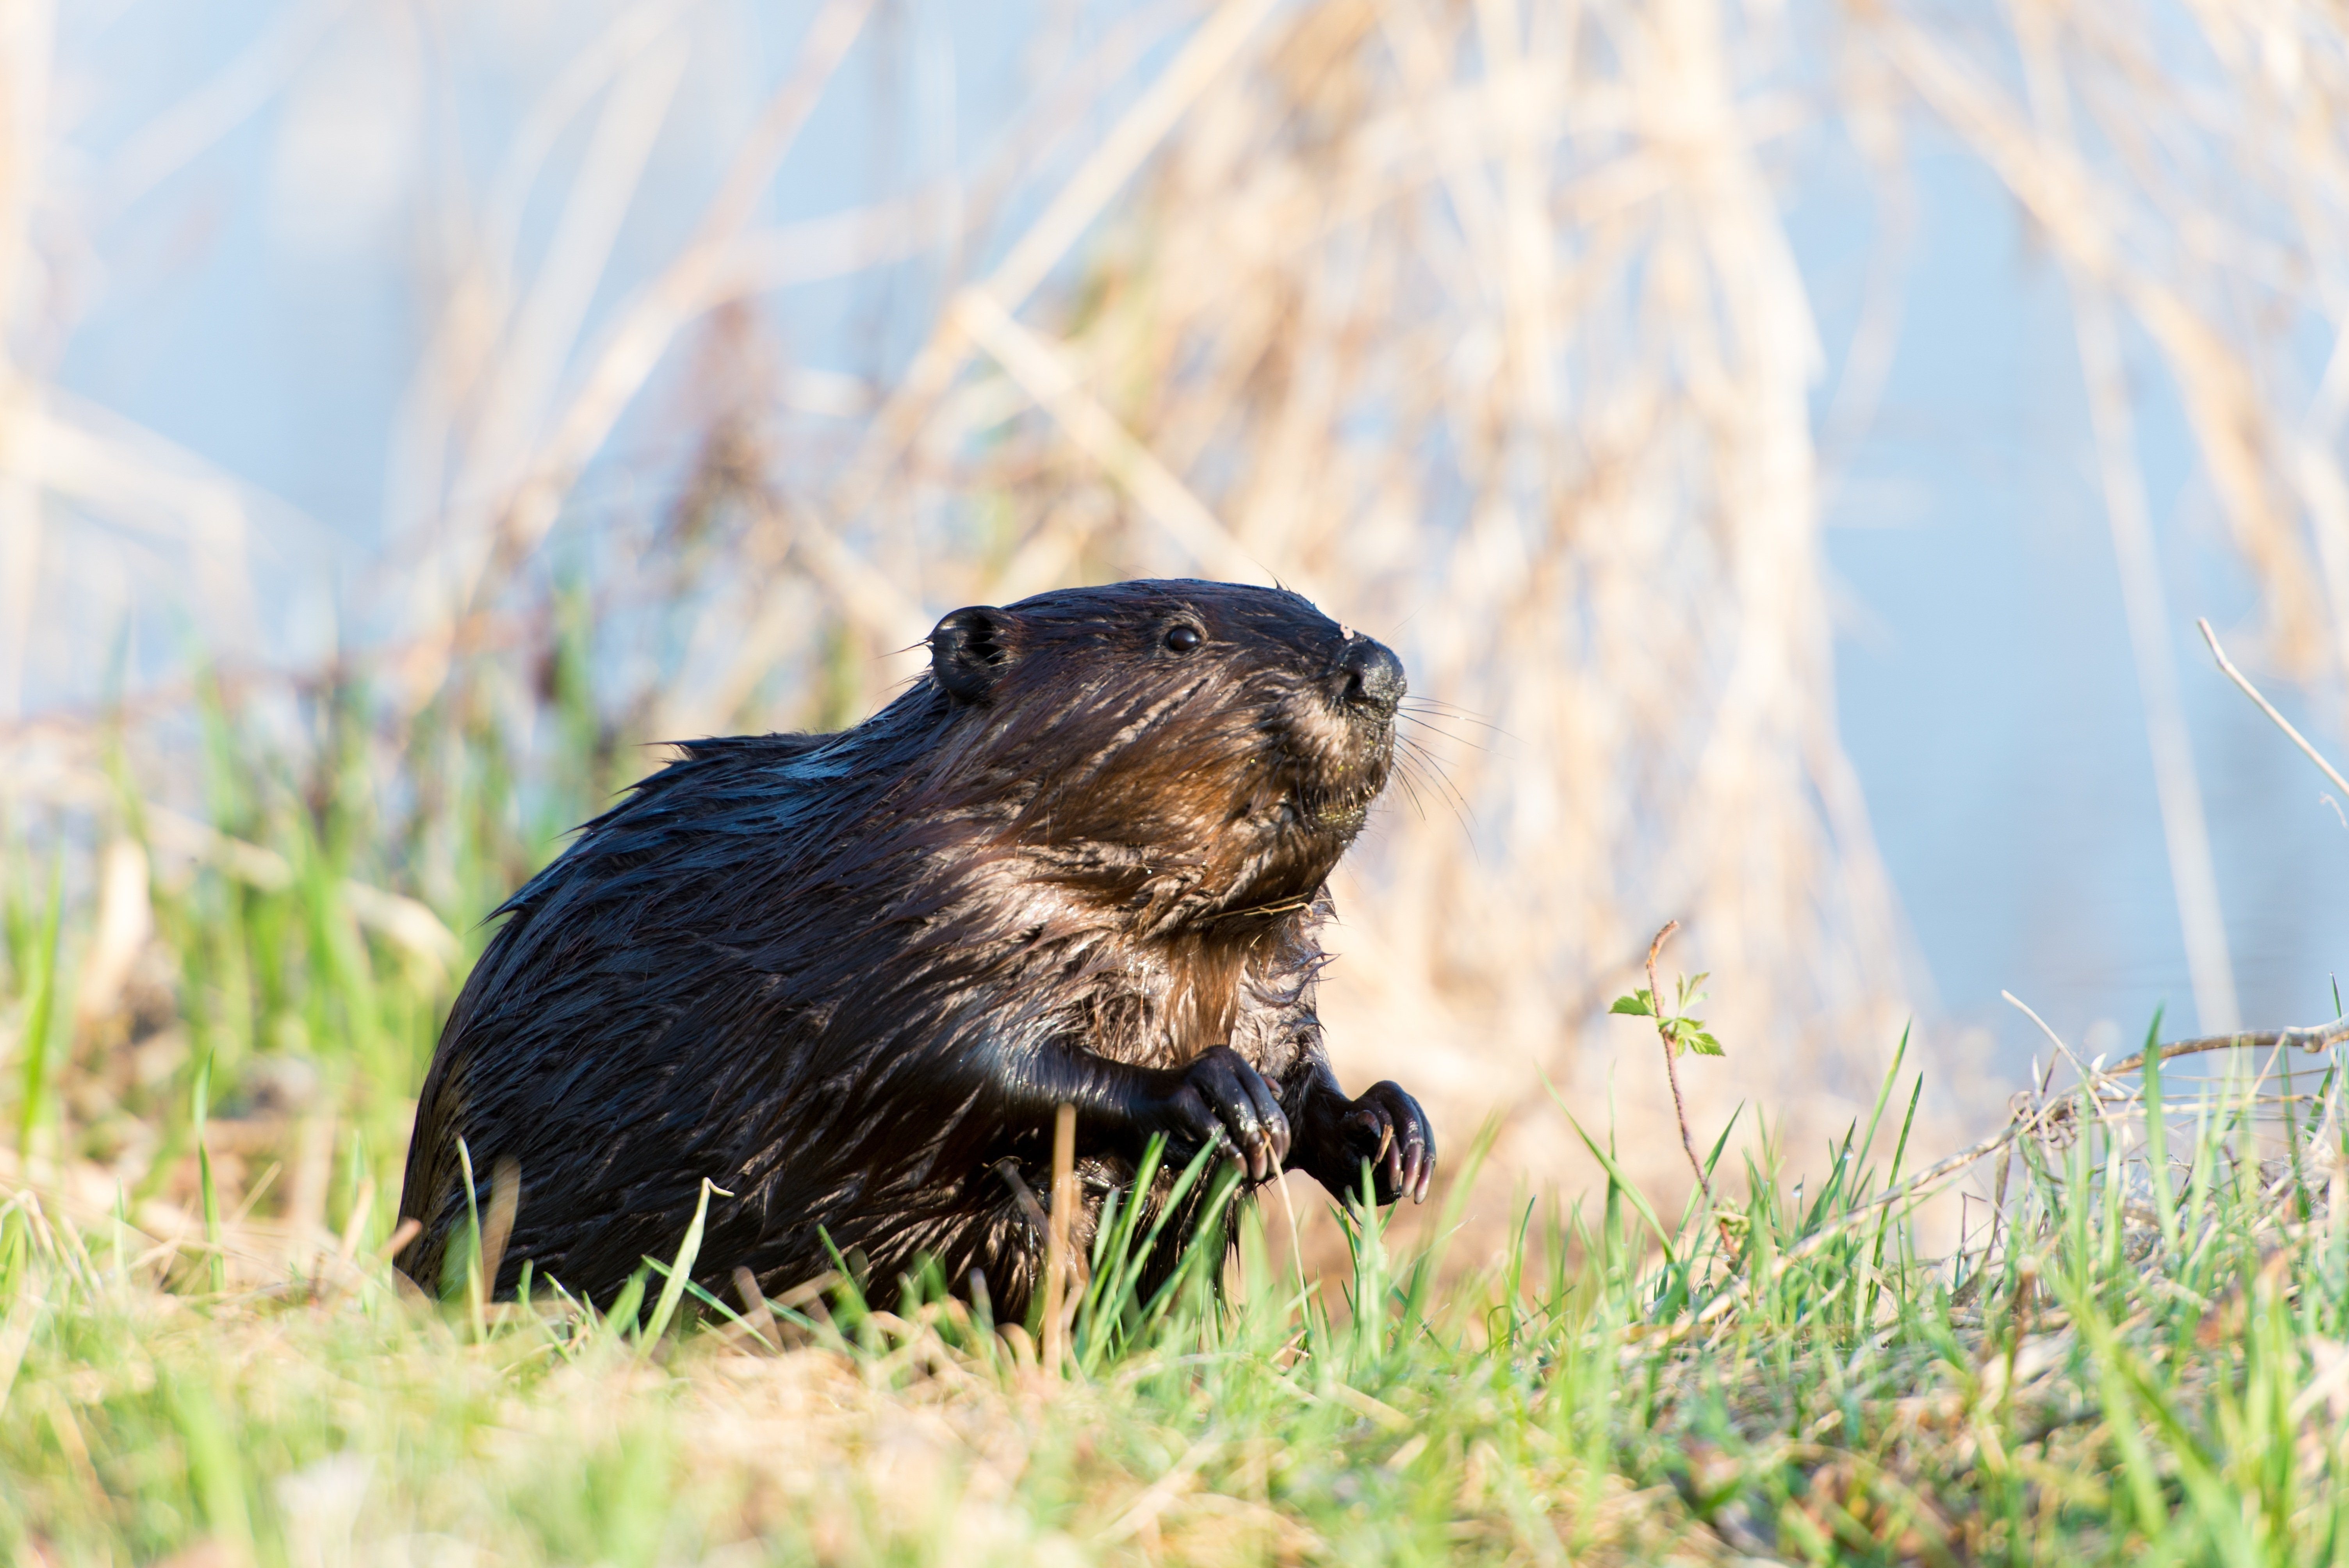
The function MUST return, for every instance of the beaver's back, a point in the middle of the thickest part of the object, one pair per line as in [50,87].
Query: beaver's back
[651,1013]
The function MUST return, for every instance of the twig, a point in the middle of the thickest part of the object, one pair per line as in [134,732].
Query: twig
[408,1231]
[2268,707]
[2310,1037]
[1672,1067]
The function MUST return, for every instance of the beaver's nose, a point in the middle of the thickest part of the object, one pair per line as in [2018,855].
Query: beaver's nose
[1374,676]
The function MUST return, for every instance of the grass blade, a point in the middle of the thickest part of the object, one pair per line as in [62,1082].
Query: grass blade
[681,1271]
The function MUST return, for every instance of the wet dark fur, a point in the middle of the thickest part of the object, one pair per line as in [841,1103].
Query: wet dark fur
[845,976]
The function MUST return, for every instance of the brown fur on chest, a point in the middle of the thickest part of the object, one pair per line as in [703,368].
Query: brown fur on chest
[1159,1010]
[1055,947]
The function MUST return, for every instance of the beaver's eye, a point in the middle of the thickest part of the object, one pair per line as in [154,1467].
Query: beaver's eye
[1182,639]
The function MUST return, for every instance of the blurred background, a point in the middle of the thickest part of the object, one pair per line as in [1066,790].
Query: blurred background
[1792,441]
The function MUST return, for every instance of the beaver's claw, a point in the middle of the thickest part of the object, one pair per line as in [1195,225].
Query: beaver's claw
[1223,1098]
[1386,1128]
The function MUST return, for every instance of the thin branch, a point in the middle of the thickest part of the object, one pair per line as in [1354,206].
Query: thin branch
[2268,707]
[2311,1037]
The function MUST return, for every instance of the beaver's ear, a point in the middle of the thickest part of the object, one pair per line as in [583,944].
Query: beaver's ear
[970,650]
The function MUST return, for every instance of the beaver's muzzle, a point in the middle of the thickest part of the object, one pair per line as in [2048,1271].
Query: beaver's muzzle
[1373,676]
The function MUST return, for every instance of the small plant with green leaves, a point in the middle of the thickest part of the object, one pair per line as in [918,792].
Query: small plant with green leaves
[1682,1030]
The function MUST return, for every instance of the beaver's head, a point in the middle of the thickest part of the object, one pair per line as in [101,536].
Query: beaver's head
[1199,754]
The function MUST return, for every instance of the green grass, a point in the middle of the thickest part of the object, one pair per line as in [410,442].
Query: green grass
[1615,1391]
[2151,1366]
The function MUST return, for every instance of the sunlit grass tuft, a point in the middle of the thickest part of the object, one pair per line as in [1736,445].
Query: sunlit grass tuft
[2139,1362]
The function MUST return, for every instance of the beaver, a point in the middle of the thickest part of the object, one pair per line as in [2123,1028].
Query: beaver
[849,978]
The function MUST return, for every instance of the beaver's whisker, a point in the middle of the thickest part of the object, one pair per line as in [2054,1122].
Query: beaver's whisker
[1416,758]
[1423,715]
[1406,745]
[1403,776]
[1435,728]
[1436,705]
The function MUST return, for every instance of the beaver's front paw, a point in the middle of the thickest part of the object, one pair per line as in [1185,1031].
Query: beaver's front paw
[1220,1098]
[1386,1128]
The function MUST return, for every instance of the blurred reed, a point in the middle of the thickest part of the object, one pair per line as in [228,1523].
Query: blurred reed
[1479,324]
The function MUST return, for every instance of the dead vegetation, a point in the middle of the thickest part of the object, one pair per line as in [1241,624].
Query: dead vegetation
[1481,323]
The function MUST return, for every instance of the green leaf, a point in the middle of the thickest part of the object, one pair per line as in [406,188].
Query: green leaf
[1703,1043]
[673,1289]
[1637,1005]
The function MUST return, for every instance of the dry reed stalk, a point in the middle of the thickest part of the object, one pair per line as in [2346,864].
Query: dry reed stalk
[1058,1265]
[1469,327]
[27,39]
[1482,323]
[1044,243]
[507,495]
[2205,196]
[2193,876]
[1337,328]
